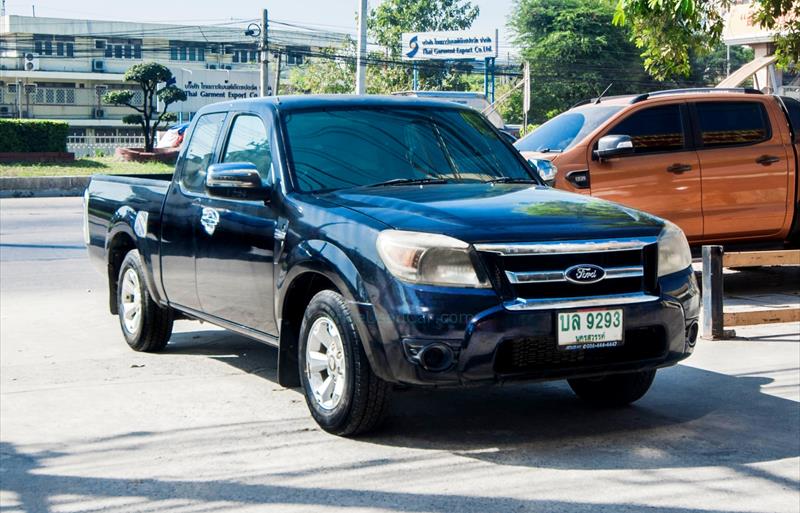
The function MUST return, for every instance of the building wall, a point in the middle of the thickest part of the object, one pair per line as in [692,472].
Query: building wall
[61,67]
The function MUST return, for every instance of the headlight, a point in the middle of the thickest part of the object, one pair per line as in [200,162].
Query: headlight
[428,258]
[673,250]
[547,171]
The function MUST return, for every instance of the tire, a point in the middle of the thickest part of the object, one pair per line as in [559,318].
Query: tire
[615,390]
[145,325]
[330,349]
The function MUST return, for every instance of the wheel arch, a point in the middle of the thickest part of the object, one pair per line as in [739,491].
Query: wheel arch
[315,266]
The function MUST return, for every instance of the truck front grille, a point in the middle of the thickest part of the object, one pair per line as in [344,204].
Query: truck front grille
[539,272]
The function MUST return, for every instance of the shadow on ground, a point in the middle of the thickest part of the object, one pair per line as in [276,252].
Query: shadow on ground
[690,418]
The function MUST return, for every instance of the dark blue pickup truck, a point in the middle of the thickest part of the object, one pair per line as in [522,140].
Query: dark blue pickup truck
[382,241]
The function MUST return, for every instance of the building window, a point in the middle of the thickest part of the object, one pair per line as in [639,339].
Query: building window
[181,52]
[70,50]
[48,48]
[117,51]
[54,95]
[37,46]
[254,56]
[137,51]
[109,51]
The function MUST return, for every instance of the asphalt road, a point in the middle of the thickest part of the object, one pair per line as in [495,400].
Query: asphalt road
[88,425]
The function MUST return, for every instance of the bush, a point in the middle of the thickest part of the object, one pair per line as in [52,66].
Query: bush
[29,136]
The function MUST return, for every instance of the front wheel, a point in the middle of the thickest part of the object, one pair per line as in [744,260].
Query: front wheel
[145,325]
[344,395]
[614,390]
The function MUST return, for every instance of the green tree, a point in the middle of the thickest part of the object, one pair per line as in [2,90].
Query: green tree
[148,76]
[575,53]
[668,32]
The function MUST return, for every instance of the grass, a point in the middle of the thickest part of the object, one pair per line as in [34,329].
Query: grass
[83,167]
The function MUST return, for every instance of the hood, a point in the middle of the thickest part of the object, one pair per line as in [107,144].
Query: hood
[497,212]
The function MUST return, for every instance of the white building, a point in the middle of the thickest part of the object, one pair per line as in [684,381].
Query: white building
[53,68]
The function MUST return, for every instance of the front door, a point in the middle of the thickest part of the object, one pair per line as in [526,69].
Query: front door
[662,176]
[745,169]
[235,239]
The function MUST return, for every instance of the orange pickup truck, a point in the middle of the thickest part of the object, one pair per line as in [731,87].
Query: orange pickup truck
[722,164]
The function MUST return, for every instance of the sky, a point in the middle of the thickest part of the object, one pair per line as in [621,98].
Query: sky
[334,15]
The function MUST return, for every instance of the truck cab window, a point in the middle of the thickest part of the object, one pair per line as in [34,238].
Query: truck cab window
[653,130]
[200,151]
[249,142]
[732,123]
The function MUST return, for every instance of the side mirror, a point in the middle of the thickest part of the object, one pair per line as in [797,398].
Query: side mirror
[236,180]
[613,146]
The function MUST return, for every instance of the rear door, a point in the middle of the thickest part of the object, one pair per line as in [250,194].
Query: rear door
[662,176]
[236,239]
[182,212]
[745,168]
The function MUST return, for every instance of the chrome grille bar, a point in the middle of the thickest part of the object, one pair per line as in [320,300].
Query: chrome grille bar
[558,276]
[566,247]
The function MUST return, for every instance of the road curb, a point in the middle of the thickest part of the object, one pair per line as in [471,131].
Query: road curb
[43,186]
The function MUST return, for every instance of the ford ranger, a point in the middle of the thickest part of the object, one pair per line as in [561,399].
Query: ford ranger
[379,241]
[720,163]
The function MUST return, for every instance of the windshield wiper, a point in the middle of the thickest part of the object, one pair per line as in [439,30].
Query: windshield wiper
[508,179]
[408,181]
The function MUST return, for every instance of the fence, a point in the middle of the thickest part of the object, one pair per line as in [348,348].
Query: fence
[91,145]
[715,319]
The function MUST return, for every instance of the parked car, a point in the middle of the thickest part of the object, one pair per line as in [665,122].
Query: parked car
[721,164]
[378,241]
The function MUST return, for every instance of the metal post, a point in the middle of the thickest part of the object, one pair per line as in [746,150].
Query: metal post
[264,50]
[486,77]
[19,99]
[361,61]
[415,79]
[492,79]
[728,61]
[712,322]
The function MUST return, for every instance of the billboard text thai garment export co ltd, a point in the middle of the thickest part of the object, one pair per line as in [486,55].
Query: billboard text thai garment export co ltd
[420,46]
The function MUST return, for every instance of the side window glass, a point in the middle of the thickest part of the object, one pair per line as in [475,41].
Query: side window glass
[249,142]
[732,123]
[199,152]
[653,130]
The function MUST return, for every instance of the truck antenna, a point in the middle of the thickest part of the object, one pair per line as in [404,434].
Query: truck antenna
[603,93]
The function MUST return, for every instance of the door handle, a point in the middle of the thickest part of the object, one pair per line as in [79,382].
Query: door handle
[679,168]
[766,160]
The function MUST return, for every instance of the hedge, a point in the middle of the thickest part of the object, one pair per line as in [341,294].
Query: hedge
[28,136]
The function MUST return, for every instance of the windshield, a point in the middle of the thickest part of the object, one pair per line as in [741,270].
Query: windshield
[337,148]
[567,129]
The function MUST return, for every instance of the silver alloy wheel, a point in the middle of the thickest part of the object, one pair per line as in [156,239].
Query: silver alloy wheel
[131,296]
[325,363]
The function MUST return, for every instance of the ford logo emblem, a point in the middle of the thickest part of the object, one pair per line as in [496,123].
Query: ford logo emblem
[585,274]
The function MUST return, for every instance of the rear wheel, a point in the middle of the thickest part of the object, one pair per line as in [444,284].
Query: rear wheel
[614,390]
[343,394]
[145,325]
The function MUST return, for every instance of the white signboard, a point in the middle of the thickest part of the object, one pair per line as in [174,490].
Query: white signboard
[206,86]
[421,46]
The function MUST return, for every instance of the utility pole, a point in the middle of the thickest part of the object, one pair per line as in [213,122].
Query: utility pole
[276,88]
[264,53]
[361,61]
[3,8]
[526,94]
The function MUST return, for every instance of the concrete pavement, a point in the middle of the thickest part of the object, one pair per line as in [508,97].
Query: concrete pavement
[88,425]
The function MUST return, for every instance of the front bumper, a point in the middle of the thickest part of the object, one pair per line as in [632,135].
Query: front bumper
[509,342]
